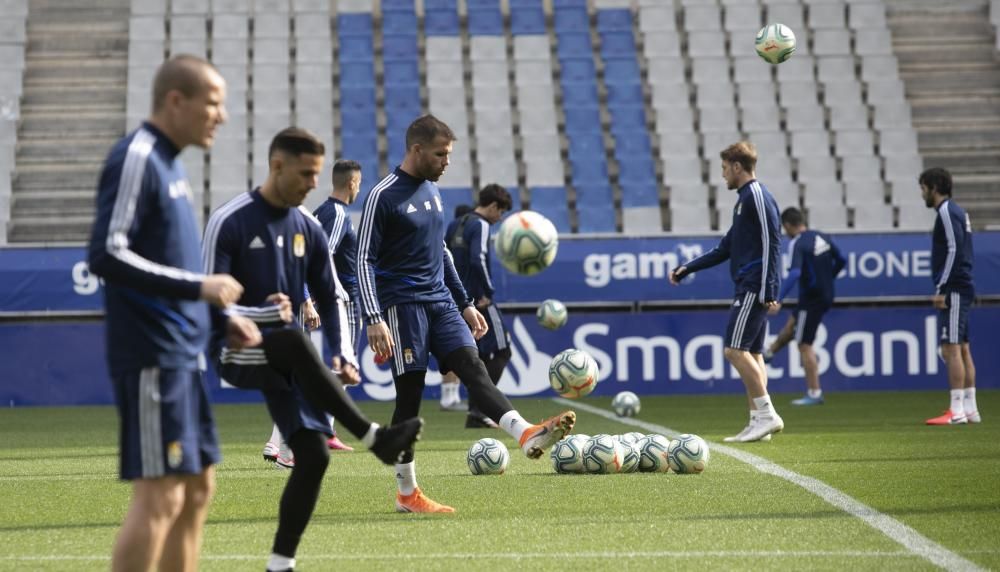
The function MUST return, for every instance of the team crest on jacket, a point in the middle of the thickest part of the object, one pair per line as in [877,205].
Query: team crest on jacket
[407,356]
[299,245]
[175,454]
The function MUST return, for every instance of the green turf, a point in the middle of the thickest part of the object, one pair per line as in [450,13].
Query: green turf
[62,502]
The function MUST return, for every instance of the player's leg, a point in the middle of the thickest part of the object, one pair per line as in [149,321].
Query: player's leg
[744,341]
[273,445]
[156,504]
[969,402]
[312,457]
[494,350]
[949,320]
[785,336]
[451,399]
[805,334]
[348,330]
[183,544]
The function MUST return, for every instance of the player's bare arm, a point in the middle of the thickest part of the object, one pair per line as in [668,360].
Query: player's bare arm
[220,290]
[938,301]
[346,371]
[310,316]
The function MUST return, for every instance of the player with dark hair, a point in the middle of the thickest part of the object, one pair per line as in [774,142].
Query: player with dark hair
[468,242]
[144,244]
[277,248]
[752,247]
[407,277]
[816,262]
[954,291]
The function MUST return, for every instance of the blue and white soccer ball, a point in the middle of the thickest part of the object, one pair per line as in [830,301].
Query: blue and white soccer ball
[626,404]
[602,454]
[526,243]
[552,314]
[653,454]
[688,454]
[630,457]
[488,456]
[631,437]
[573,373]
[775,43]
[567,455]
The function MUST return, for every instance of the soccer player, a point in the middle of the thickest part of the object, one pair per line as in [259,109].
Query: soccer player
[468,242]
[267,240]
[954,290]
[144,244]
[751,245]
[816,262]
[451,399]
[407,278]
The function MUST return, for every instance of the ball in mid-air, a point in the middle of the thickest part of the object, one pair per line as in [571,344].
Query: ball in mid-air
[526,243]
[573,373]
[775,43]
[552,314]
[626,404]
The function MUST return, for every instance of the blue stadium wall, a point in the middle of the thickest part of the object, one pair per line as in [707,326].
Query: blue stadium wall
[59,360]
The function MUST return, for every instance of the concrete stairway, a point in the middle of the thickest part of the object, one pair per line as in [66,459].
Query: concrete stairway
[947,59]
[73,109]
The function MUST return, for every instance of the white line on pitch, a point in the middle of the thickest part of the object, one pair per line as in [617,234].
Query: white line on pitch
[912,540]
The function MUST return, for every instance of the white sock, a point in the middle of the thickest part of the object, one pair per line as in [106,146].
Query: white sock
[449,393]
[406,477]
[275,436]
[279,562]
[969,401]
[763,405]
[369,439]
[514,424]
[815,393]
[957,407]
[332,428]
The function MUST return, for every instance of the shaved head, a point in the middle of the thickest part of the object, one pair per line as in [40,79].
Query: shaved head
[184,73]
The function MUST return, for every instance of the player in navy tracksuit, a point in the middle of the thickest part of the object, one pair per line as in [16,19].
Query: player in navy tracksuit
[751,245]
[407,278]
[954,290]
[469,243]
[816,262]
[144,244]
[267,240]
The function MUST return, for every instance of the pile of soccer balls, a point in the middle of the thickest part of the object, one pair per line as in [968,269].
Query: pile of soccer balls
[629,453]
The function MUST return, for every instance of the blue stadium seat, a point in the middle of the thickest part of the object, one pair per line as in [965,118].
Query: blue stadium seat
[551,203]
[526,20]
[441,22]
[402,98]
[557,4]
[357,98]
[577,71]
[484,4]
[598,193]
[515,198]
[617,44]
[354,24]
[597,217]
[583,120]
[441,5]
[585,172]
[640,194]
[625,95]
[396,123]
[451,197]
[399,22]
[580,95]
[357,74]
[572,20]
[574,46]
[632,142]
[358,147]
[485,22]
[586,145]
[636,169]
[357,121]
[621,71]
[356,49]
[401,73]
[400,47]
[614,20]
[626,118]
[400,5]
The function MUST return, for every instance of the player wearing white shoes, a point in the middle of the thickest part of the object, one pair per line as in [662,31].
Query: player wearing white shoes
[751,245]
[954,290]
[415,304]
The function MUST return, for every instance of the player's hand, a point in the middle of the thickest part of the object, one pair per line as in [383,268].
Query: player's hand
[673,275]
[220,290]
[380,340]
[774,308]
[346,371]
[284,304]
[310,316]
[939,302]
[242,333]
[476,321]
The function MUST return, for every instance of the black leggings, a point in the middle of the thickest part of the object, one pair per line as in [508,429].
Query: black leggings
[302,489]
[494,367]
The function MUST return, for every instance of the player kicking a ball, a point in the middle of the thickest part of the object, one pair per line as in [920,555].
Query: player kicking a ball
[751,245]
[415,304]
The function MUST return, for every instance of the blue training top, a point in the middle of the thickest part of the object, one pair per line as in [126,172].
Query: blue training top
[951,251]
[469,242]
[343,242]
[816,262]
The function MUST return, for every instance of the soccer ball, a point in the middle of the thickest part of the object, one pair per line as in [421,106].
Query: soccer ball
[775,43]
[630,457]
[688,454]
[573,373]
[552,314]
[630,438]
[527,243]
[567,455]
[653,454]
[602,454]
[626,404]
[487,456]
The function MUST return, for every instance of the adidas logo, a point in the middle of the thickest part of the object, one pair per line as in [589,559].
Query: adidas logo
[736,304]
[410,208]
[257,243]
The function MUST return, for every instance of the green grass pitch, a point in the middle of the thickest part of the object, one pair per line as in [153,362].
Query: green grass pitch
[62,503]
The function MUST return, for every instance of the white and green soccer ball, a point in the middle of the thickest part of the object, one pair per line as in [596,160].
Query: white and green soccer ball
[653,454]
[488,456]
[552,314]
[526,243]
[626,404]
[567,455]
[602,454]
[688,454]
[630,456]
[573,373]
[775,43]
[631,438]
